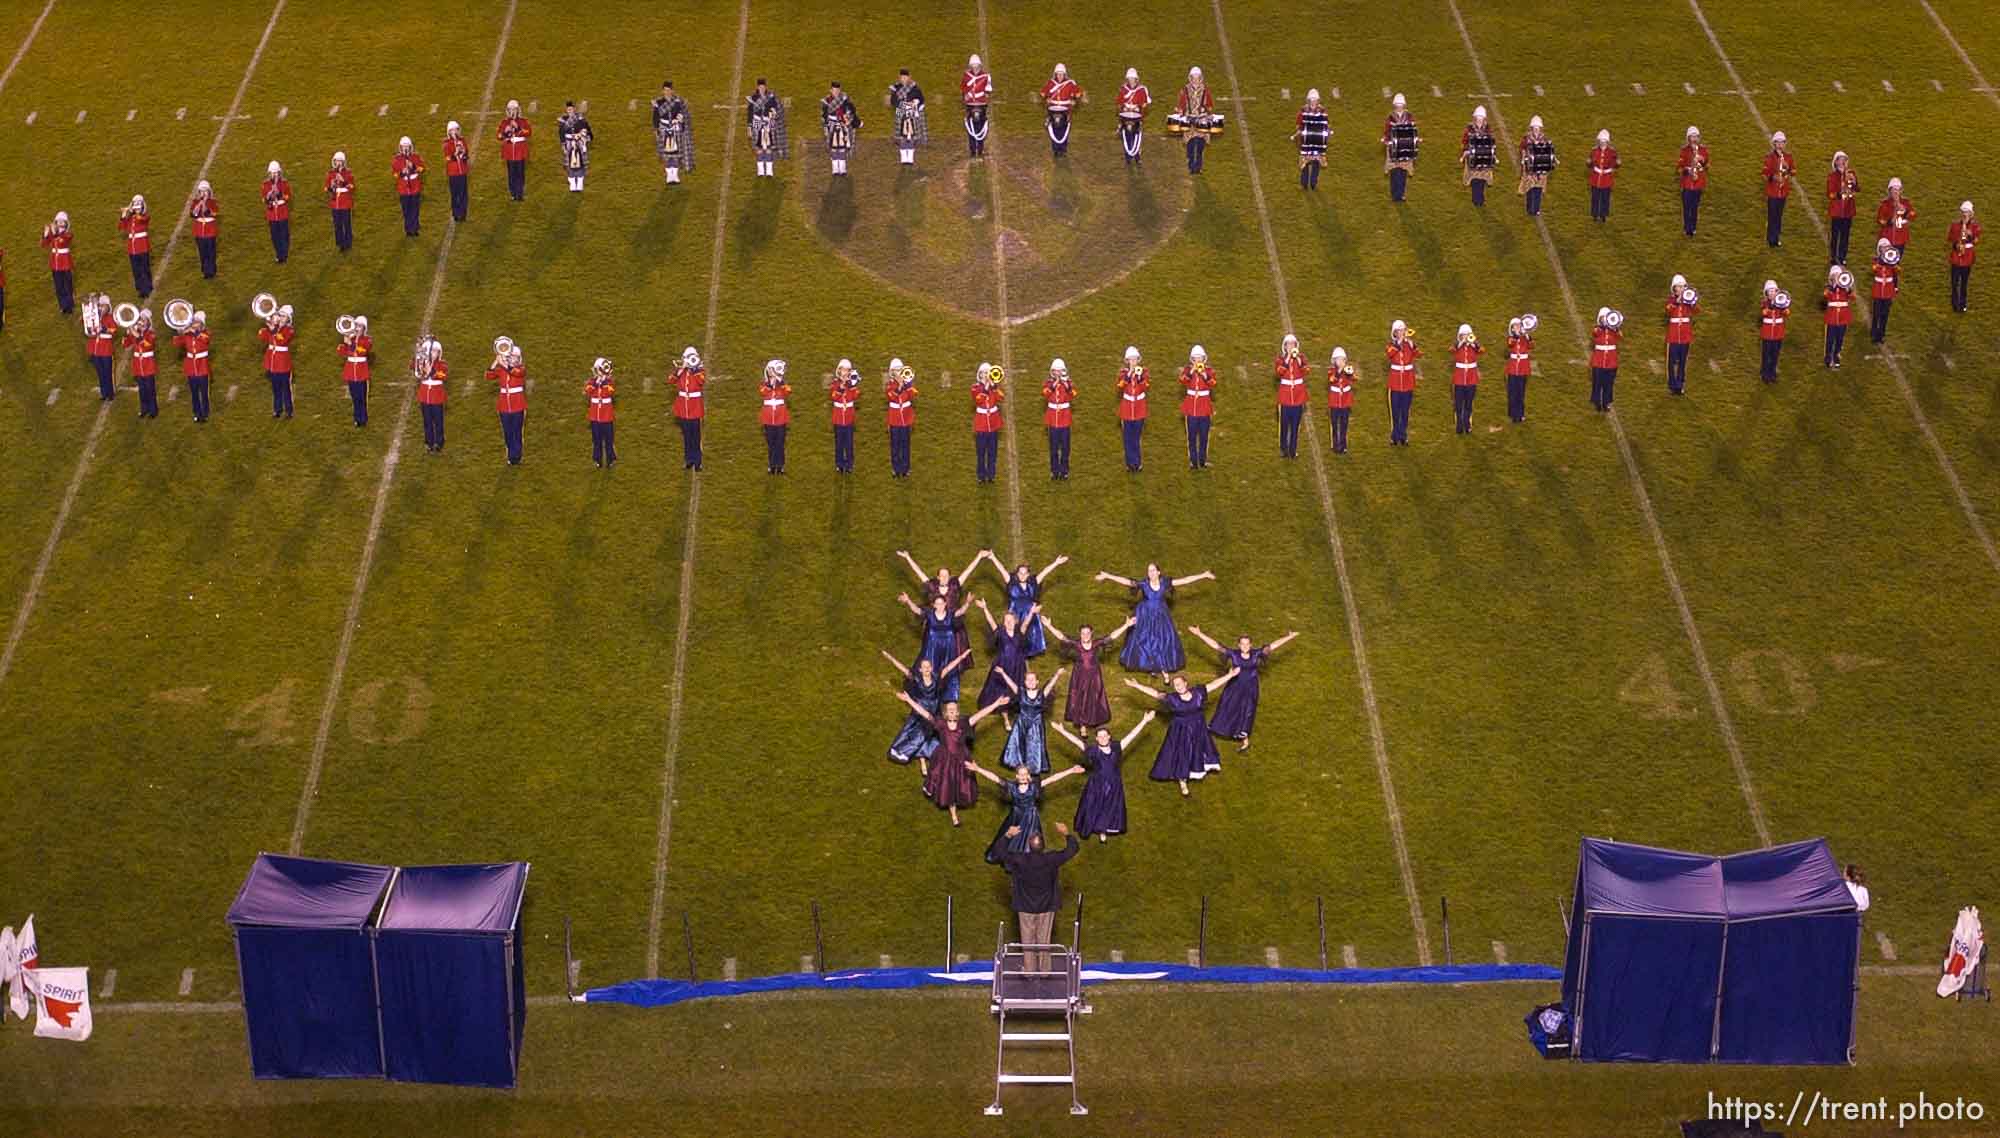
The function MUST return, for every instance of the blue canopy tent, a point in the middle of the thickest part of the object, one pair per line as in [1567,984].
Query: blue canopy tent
[308,978]
[1687,958]
[448,967]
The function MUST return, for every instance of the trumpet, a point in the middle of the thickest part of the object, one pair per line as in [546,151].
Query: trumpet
[179,314]
[346,326]
[263,306]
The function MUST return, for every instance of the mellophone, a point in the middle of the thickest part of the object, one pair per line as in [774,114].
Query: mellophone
[1209,124]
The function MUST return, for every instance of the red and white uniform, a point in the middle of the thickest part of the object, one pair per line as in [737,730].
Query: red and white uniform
[194,353]
[276,194]
[1133,100]
[1680,322]
[601,392]
[105,342]
[690,384]
[1402,365]
[1693,167]
[976,88]
[1886,283]
[339,186]
[774,410]
[409,172]
[1197,391]
[1061,94]
[1133,383]
[900,399]
[841,398]
[1962,242]
[457,157]
[1340,387]
[277,348]
[431,388]
[511,383]
[1520,355]
[1603,167]
[1894,219]
[1057,394]
[1839,307]
[142,345]
[1778,170]
[58,244]
[1604,347]
[206,215]
[1842,188]
[513,133]
[1291,372]
[1771,322]
[355,356]
[987,416]
[1205,104]
[1465,364]
[138,231]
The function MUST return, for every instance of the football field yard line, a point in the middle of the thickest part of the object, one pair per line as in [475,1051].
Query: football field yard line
[48,556]
[1006,347]
[1923,422]
[677,685]
[317,764]
[1724,724]
[1983,87]
[1354,634]
[36,30]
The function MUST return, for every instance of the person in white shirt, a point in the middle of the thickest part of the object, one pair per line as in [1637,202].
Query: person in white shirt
[1857,886]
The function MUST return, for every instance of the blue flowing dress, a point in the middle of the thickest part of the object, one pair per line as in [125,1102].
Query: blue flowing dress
[1024,810]
[917,739]
[1236,708]
[1154,644]
[1009,656]
[954,596]
[1020,598]
[1101,809]
[940,648]
[1187,751]
[1028,742]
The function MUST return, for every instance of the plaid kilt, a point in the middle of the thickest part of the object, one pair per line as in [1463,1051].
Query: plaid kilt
[914,120]
[682,156]
[781,145]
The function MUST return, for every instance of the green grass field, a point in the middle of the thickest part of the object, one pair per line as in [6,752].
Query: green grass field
[1757,613]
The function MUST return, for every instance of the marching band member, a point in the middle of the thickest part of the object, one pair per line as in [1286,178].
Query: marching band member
[1692,168]
[1963,241]
[765,114]
[1478,154]
[988,396]
[513,133]
[1399,144]
[1895,216]
[673,133]
[839,121]
[690,384]
[1520,365]
[339,187]
[277,334]
[1537,160]
[510,380]
[100,342]
[1604,340]
[457,170]
[1779,166]
[601,392]
[1312,131]
[408,167]
[1339,398]
[574,136]
[1771,329]
[1291,370]
[206,215]
[906,104]
[1133,102]
[975,88]
[1842,187]
[136,223]
[357,353]
[276,194]
[900,397]
[1059,97]
[56,238]
[1402,353]
[142,342]
[193,342]
[1681,310]
[1887,281]
[1465,353]
[775,415]
[1057,395]
[842,395]
[1132,385]
[1197,405]
[1838,301]
[1196,107]
[1603,172]
[432,374]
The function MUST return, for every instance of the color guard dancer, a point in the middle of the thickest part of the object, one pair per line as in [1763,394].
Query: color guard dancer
[428,368]
[1133,383]
[100,336]
[1312,130]
[1775,306]
[673,133]
[1838,301]
[1478,154]
[357,354]
[764,113]
[1339,398]
[602,392]
[1403,354]
[193,342]
[1059,97]
[975,88]
[573,139]
[1692,169]
[1682,307]
[143,343]
[1133,102]
[1291,370]
[1886,283]
[1100,809]
[1399,145]
[842,395]
[277,335]
[276,194]
[1604,340]
[135,221]
[457,170]
[906,106]
[1842,187]
[1895,218]
[1520,364]
[1194,110]
[1779,166]
[1236,712]
[988,396]
[206,214]
[408,168]
[514,132]
[1057,395]
[58,240]
[1537,160]
[774,414]
[1465,353]
[1187,752]
[1962,240]
[511,400]
[899,394]
[1198,405]
[339,187]
[839,121]
[690,384]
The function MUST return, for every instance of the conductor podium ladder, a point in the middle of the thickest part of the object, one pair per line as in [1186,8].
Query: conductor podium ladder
[1038,982]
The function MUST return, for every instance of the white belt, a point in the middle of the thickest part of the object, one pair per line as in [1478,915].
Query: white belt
[280,348]
[1291,382]
[600,399]
[1680,319]
[688,394]
[899,406]
[1139,398]
[1131,113]
[136,234]
[1774,320]
[1836,304]
[1402,367]
[1058,406]
[1517,355]
[512,390]
[142,355]
[843,406]
[772,402]
[433,383]
[1465,366]
[357,359]
[199,356]
[1340,389]
[1601,169]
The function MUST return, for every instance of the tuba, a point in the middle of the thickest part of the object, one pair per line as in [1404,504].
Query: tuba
[346,326]
[125,315]
[263,306]
[179,314]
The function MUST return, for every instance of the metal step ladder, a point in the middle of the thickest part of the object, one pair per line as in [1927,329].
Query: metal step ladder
[1024,984]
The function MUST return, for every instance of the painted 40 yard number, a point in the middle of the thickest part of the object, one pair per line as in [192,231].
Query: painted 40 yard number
[1769,680]
[379,713]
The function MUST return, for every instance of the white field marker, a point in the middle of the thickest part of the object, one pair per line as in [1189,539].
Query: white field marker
[1688,87]
[1888,86]
[1436,91]
[1589,90]
[1499,952]
[333,110]
[805,962]
[1789,89]
[1271,956]
[1243,373]
[1948,366]
[230,395]
[1538,90]
[131,114]
[466,387]
[1715,365]
[963,958]
[575,971]
[80,115]
[110,987]
[1336,92]
[180,114]
[536,105]
[1657,366]
[434,108]
[1839,86]
[283,111]
[382,112]
[54,393]
[1356,638]
[1387,94]
[729,968]
[1887,946]
[1117,956]
[944,380]
[1348,959]
[1194,958]
[885,961]
[31,117]
[1285,93]
[173,392]
[631,104]
[1638,88]
[647,385]
[1937,86]
[187,981]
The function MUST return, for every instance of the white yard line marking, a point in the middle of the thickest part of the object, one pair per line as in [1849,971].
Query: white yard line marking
[131,114]
[1386,94]
[110,984]
[1010,420]
[1917,415]
[34,30]
[382,112]
[1838,86]
[31,117]
[1887,946]
[1538,90]
[1271,956]
[180,114]
[434,108]
[230,395]
[1715,365]
[1688,87]
[173,392]
[317,764]
[283,111]
[187,981]
[53,393]
[1117,956]
[333,110]
[1888,86]
[1638,88]
[1937,86]
[80,115]
[805,962]
[1983,87]
[885,961]
[41,573]
[677,686]
[1354,632]
[1499,952]
[630,104]
[729,968]
[1436,91]
[1724,724]
[1789,89]
[1194,954]
[575,971]
[1348,959]
[1589,90]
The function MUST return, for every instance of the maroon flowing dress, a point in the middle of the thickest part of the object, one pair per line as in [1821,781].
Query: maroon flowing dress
[1087,705]
[949,783]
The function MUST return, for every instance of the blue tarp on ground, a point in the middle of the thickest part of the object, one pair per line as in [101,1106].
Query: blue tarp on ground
[308,982]
[1679,957]
[448,966]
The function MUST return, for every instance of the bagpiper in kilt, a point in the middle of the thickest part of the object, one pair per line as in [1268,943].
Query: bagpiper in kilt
[1312,132]
[1538,161]
[1133,102]
[574,135]
[1478,154]
[976,89]
[1399,146]
[839,120]
[906,101]
[764,113]
[673,133]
